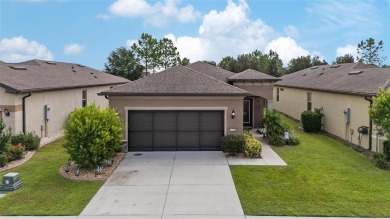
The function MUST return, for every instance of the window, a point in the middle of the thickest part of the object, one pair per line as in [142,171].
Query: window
[309,101]
[84,98]
[277,94]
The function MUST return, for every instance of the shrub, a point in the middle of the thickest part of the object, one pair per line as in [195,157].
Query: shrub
[253,146]
[312,121]
[15,152]
[276,140]
[3,160]
[292,140]
[274,123]
[233,144]
[5,136]
[379,160]
[92,135]
[386,150]
[30,140]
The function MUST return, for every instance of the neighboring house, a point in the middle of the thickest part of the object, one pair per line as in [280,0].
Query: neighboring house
[38,96]
[344,92]
[189,107]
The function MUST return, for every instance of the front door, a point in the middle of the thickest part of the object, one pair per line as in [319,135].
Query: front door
[247,112]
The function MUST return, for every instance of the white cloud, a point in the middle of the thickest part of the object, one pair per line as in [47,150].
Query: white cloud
[158,14]
[73,49]
[291,31]
[129,43]
[348,49]
[350,16]
[18,49]
[228,32]
[287,49]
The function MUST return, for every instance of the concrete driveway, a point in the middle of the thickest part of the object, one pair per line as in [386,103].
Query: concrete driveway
[168,185]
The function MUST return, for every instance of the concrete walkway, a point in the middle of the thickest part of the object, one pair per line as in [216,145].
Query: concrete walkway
[168,185]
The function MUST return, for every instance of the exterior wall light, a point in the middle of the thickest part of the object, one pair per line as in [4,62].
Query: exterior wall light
[6,112]
[233,114]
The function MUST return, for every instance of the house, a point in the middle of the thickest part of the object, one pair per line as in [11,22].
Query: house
[189,107]
[344,92]
[37,96]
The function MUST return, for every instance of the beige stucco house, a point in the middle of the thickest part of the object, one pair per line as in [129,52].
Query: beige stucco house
[189,107]
[344,91]
[37,96]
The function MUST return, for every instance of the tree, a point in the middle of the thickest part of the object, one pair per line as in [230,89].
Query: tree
[124,63]
[316,61]
[369,51]
[347,58]
[147,51]
[274,64]
[380,111]
[185,61]
[169,56]
[298,64]
[229,63]
[210,62]
[92,135]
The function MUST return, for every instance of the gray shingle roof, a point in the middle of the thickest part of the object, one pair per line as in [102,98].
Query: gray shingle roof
[177,81]
[210,70]
[252,75]
[366,80]
[38,75]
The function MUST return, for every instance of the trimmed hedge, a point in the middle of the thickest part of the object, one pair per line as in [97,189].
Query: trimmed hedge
[386,149]
[30,140]
[253,146]
[233,144]
[312,121]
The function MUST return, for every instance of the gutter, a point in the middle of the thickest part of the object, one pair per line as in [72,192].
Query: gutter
[24,111]
[370,126]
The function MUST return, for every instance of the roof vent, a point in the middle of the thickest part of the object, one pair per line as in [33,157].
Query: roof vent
[321,73]
[313,67]
[334,66]
[80,65]
[355,72]
[18,67]
[304,74]
[51,63]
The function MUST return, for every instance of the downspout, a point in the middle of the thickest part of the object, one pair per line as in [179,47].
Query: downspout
[370,126]
[24,111]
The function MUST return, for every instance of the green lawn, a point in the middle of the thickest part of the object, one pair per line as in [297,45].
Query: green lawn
[45,191]
[323,178]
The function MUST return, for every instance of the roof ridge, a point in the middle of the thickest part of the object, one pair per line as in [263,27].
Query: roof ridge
[219,81]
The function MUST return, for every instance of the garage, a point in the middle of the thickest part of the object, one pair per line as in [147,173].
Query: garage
[175,130]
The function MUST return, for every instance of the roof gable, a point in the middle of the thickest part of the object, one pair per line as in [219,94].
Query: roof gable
[340,78]
[38,75]
[252,75]
[211,70]
[177,81]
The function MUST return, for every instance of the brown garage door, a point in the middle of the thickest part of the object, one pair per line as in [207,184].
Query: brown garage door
[175,130]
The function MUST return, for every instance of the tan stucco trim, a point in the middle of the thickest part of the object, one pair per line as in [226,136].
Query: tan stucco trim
[12,108]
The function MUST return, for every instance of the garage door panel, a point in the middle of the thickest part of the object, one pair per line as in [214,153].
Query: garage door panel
[175,130]
[140,121]
[188,121]
[210,139]
[164,121]
[188,141]
[164,141]
[141,141]
[211,121]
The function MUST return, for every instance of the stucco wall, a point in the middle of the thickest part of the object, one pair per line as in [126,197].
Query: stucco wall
[228,104]
[61,103]
[294,101]
[261,89]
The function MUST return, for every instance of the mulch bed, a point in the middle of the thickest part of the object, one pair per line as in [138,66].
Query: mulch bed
[92,174]
[15,163]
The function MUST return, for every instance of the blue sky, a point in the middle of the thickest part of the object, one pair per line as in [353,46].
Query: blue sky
[86,31]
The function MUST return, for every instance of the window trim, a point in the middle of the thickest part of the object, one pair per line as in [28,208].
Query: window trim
[84,98]
[309,101]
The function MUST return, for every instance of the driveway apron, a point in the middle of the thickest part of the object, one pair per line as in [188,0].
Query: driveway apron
[168,185]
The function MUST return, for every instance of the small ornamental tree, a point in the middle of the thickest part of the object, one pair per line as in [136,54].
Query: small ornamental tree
[92,135]
[5,136]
